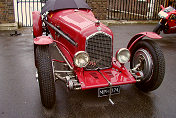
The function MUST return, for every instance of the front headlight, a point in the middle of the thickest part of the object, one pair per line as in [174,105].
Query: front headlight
[162,14]
[81,59]
[123,55]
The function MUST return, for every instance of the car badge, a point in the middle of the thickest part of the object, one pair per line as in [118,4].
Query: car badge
[99,28]
[94,62]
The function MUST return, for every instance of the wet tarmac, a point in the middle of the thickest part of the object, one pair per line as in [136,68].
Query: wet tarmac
[20,97]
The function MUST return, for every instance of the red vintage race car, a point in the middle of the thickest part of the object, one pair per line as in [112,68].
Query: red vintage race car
[86,46]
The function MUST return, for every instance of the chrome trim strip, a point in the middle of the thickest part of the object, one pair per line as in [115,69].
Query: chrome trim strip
[99,32]
[61,33]
[62,71]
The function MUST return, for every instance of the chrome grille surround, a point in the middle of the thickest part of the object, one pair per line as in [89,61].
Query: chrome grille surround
[99,48]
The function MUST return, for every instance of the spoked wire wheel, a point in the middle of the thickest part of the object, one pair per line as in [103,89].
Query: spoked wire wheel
[149,59]
[158,28]
[144,59]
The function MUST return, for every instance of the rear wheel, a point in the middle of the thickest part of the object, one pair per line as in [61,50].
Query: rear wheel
[149,56]
[45,75]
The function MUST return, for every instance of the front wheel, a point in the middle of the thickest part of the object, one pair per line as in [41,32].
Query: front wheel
[149,56]
[45,75]
[158,28]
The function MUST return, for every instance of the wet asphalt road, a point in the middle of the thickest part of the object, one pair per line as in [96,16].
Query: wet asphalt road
[19,91]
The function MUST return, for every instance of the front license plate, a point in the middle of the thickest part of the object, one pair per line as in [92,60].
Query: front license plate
[106,91]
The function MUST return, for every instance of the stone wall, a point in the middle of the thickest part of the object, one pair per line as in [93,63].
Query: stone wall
[99,8]
[6,11]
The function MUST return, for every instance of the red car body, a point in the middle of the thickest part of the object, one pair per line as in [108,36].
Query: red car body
[77,30]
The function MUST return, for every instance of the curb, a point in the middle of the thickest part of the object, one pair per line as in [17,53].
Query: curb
[9,26]
[121,22]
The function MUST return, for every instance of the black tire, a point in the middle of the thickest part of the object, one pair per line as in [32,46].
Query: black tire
[35,59]
[152,64]
[45,76]
[158,28]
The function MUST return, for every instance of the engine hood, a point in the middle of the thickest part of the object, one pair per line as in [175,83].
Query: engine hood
[77,19]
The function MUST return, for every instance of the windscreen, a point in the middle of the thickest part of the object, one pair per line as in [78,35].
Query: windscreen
[169,9]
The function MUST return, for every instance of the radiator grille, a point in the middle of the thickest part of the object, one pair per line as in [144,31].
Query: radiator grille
[99,48]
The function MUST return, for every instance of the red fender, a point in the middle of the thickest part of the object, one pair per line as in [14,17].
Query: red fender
[43,40]
[139,36]
[37,23]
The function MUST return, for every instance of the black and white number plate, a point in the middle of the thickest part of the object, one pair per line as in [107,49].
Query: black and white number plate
[106,91]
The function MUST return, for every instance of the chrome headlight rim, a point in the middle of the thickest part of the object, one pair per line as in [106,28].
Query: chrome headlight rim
[81,53]
[121,53]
